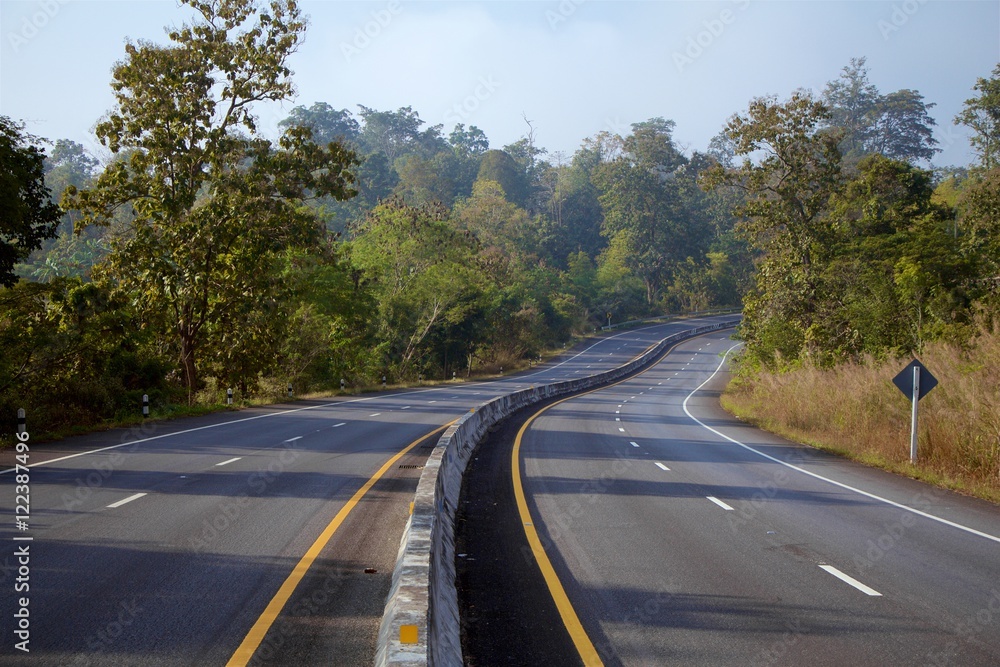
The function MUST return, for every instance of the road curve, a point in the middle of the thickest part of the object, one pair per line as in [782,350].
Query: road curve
[682,536]
[165,545]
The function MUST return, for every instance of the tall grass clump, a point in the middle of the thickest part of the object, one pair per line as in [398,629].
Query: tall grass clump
[854,409]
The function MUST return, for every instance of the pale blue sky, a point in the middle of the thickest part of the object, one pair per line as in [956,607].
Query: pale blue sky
[573,67]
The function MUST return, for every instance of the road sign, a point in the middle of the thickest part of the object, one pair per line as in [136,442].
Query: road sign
[916,382]
[905,380]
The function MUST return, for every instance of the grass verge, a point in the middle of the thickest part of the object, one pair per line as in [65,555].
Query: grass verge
[855,411]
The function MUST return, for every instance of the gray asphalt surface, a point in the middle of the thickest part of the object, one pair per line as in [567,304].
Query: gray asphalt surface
[621,485]
[231,502]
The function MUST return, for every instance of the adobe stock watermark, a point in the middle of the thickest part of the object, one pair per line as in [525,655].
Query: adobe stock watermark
[646,613]
[365,34]
[100,473]
[231,510]
[778,649]
[900,16]
[311,605]
[34,22]
[99,642]
[562,12]
[461,111]
[747,510]
[877,549]
[968,629]
[711,31]
[592,490]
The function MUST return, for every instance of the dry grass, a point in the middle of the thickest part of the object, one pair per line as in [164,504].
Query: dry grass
[855,410]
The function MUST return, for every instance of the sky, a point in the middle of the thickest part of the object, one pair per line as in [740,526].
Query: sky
[571,67]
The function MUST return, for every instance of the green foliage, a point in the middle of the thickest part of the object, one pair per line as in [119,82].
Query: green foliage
[501,168]
[27,217]
[897,125]
[213,203]
[652,206]
[72,356]
[421,269]
[982,115]
[326,123]
[867,265]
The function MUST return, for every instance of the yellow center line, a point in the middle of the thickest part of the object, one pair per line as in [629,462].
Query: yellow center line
[256,635]
[581,640]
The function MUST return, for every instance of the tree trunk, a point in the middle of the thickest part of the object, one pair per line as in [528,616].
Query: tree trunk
[188,365]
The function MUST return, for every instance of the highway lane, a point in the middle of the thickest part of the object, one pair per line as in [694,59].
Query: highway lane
[166,547]
[675,545]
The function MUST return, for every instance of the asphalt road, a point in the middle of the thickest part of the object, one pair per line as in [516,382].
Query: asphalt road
[166,545]
[676,545]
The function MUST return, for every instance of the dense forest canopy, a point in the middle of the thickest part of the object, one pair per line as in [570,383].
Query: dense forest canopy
[365,243]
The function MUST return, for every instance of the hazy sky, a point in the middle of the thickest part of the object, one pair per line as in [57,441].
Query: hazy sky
[573,68]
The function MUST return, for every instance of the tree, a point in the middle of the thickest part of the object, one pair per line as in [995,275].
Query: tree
[902,128]
[980,223]
[390,132]
[498,166]
[423,274]
[650,205]
[897,125]
[574,216]
[787,191]
[496,221]
[468,142]
[27,216]
[982,115]
[213,201]
[327,124]
[852,101]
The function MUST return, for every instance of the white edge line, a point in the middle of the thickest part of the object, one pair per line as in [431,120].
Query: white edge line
[125,500]
[200,428]
[661,466]
[322,405]
[847,487]
[224,463]
[720,503]
[847,579]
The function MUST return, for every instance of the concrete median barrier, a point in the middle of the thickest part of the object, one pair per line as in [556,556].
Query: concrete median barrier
[421,625]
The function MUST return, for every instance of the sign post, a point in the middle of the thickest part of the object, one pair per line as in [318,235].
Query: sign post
[915,381]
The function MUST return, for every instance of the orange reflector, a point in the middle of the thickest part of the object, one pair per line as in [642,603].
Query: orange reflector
[408,634]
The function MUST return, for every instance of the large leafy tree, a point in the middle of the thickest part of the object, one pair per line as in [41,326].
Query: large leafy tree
[852,100]
[896,270]
[423,274]
[897,125]
[213,201]
[786,190]
[327,124]
[650,205]
[497,222]
[27,216]
[574,218]
[982,115]
[902,128]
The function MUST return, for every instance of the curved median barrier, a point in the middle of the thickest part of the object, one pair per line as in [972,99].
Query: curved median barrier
[420,625]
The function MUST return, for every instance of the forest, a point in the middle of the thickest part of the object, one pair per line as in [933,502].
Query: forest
[199,255]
